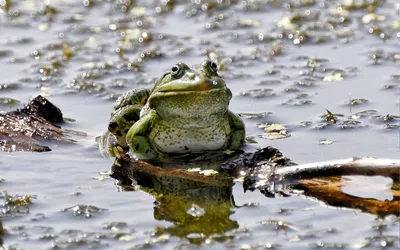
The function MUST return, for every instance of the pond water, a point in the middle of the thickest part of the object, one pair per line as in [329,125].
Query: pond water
[293,58]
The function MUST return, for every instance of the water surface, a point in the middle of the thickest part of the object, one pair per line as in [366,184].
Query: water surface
[72,55]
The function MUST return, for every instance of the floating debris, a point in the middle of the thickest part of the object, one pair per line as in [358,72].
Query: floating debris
[356,101]
[365,113]
[258,93]
[251,140]
[8,101]
[326,142]
[349,124]
[295,102]
[84,210]
[306,123]
[330,117]
[255,115]
[5,53]
[15,204]
[336,76]
[274,131]
[103,175]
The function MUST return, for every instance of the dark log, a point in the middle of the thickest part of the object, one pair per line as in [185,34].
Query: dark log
[25,129]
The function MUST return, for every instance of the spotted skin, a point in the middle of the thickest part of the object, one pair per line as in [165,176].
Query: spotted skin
[126,112]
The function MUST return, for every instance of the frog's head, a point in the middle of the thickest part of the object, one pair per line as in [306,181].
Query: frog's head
[190,95]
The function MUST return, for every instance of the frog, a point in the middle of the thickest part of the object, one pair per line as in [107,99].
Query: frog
[186,112]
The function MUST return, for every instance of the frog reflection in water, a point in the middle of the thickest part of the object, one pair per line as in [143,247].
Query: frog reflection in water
[186,112]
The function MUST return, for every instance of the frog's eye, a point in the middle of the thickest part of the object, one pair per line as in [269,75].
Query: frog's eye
[176,70]
[214,67]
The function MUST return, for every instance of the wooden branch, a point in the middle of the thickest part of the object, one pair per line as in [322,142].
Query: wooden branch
[181,182]
[353,166]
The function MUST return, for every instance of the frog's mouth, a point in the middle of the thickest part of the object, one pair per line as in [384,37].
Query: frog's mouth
[201,85]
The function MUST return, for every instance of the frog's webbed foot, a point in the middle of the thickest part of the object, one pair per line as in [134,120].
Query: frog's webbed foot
[120,152]
[109,146]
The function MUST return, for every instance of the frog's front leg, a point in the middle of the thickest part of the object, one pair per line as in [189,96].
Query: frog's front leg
[122,120]
[138,140]
[238,131]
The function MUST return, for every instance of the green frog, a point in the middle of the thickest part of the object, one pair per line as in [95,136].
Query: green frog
[186,112]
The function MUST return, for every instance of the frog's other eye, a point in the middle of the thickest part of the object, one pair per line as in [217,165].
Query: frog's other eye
[176,70]
[214,67]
